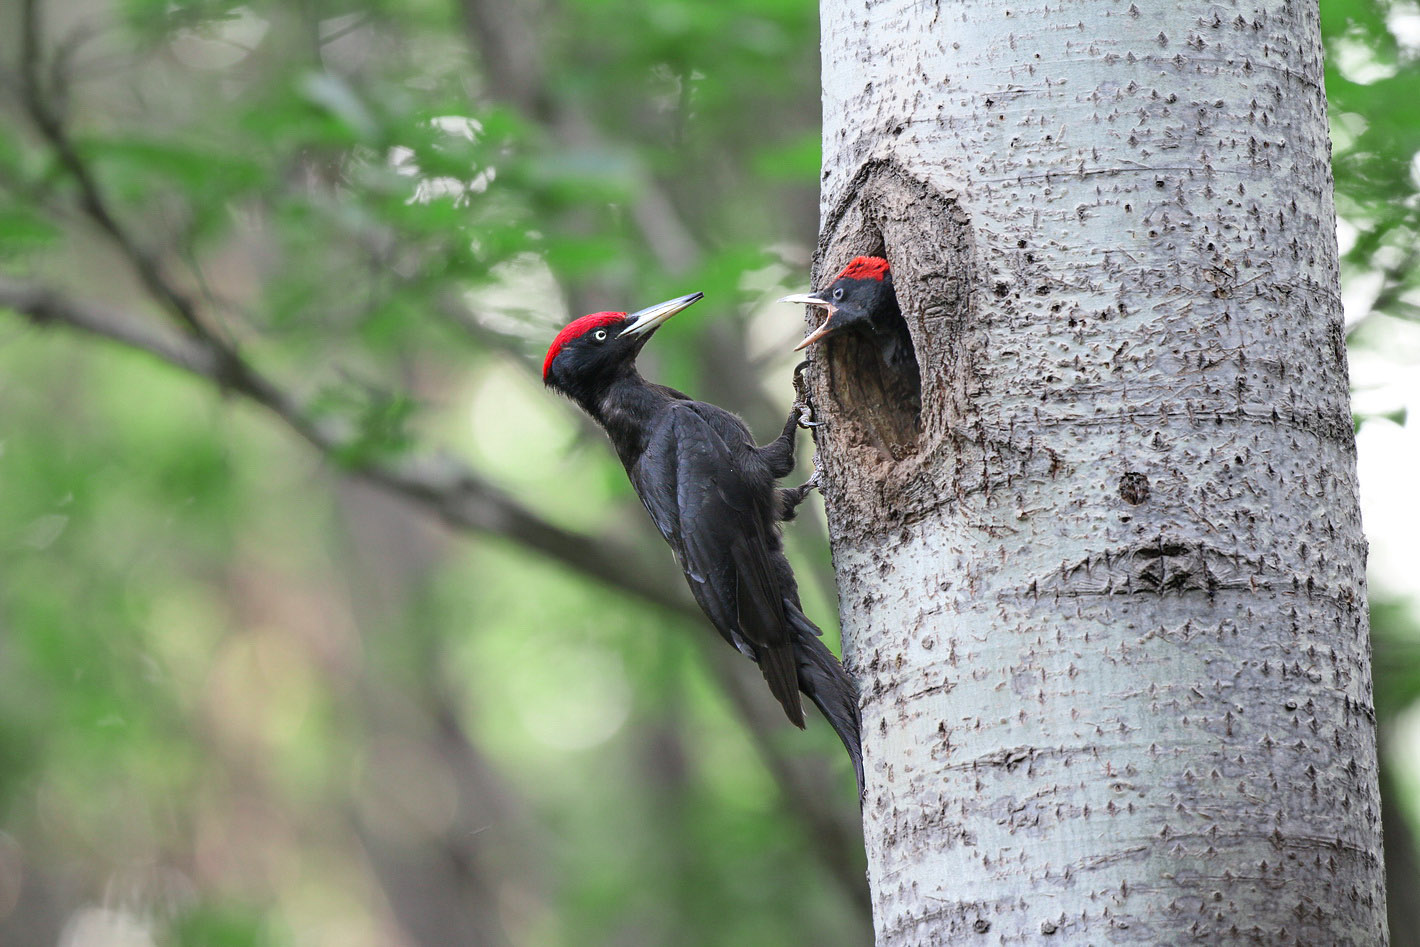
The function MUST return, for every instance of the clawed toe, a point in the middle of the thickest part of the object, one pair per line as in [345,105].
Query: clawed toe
[806,416]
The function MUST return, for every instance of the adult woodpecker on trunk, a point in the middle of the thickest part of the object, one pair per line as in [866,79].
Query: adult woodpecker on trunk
[861,299]
[712,494]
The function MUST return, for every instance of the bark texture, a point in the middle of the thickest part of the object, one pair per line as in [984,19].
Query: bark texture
[1104,587]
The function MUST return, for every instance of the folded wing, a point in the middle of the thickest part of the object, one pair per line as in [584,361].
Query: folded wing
[719,527]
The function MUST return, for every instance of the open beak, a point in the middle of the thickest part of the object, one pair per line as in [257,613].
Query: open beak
[646,320]
[809,299]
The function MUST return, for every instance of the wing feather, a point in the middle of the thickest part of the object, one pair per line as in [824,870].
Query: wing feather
[707,510]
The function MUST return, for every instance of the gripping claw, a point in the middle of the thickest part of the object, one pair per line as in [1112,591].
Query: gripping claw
[801,398]
[805,415]
[800,388]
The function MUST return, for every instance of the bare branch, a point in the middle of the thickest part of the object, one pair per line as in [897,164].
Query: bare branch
[443,486]
[50,127]
[45,307]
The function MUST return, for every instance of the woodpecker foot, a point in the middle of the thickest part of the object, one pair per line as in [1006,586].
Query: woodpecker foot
[801,391]
[791,497]
[801,398]
[806,416]
[815,482]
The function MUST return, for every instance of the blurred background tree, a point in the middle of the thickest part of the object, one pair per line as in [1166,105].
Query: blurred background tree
[320,621]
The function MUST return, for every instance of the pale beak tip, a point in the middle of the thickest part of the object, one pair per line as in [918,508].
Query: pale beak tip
[650,318]
[805,299]
[815,335]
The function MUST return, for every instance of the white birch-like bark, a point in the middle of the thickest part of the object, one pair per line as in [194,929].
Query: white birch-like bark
[1105,595]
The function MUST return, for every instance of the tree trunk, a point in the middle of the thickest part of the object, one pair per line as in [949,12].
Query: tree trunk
[1103,584]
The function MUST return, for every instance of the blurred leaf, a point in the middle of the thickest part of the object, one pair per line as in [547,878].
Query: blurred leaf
[380,422]
[22,229]
[331,94]
[211,925]
[162,16]
[182,165]
[794,161]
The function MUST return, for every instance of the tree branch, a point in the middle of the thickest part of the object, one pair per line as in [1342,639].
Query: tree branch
[50,127]
[449,490]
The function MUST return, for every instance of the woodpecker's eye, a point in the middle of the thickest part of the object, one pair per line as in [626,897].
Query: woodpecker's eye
[599,335]
[838,293]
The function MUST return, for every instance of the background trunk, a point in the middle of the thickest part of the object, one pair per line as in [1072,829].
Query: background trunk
[1105,589]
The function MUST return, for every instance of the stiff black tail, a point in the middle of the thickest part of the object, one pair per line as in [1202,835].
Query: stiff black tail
[828,685]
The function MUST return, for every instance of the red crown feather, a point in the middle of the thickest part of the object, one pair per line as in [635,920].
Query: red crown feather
[864,267]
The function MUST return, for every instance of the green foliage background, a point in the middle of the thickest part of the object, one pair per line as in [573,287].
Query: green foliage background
[251,695]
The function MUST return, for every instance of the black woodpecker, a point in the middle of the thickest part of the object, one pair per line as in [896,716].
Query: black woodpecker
[713,495]
[861,299]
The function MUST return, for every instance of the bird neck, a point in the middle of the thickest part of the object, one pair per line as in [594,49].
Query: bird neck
[624,408]
[885,310]
[889,329]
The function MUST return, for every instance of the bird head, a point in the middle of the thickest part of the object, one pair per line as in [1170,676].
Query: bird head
[859,294]
[592,351]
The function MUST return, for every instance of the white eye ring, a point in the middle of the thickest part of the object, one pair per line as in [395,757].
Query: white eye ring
[838,293]
[599,335]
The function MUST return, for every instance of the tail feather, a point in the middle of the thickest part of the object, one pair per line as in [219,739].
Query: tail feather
[761,614]
[828,685]
[777,666]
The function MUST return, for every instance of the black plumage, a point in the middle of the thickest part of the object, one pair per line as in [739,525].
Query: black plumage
[713,496]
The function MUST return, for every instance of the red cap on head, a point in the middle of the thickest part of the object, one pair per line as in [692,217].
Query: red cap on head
[576,329]
[864,267]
